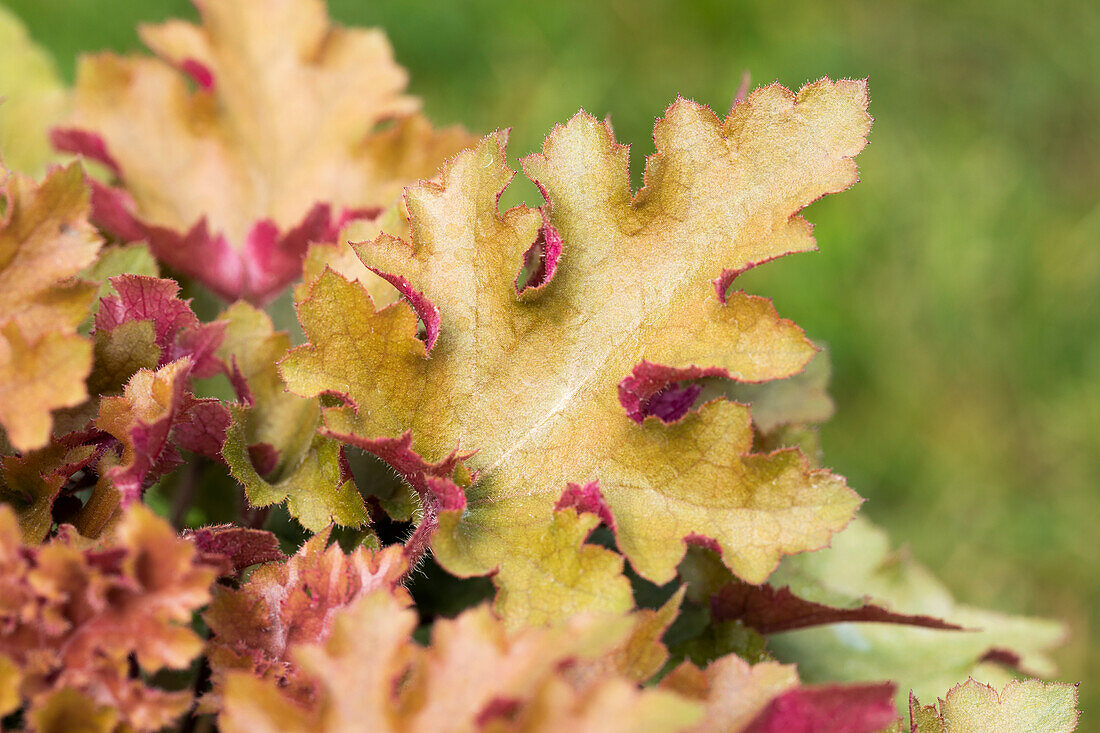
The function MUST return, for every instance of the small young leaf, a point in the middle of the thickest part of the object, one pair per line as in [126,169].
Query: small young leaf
[177,331]
[154,417]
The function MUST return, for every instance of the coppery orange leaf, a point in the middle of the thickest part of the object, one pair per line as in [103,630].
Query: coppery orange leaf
[74,613]
[156,415]
[474,676]
[291,603]
[45,241]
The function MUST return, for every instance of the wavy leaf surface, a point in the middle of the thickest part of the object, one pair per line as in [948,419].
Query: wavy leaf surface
[555,383]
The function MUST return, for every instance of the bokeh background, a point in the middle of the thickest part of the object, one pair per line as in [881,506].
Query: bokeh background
[958,284]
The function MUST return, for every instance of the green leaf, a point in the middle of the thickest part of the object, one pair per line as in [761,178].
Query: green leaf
[32,98]
[860,564]
[312,488]
[1028,706]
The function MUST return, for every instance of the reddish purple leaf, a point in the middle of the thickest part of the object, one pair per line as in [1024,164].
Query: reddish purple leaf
[200,427]
[587,498]
[268,261]
[82,142]
[265,457]
[231,548]
[425,309]
[772,610]
[865,708]
[177,330]
[499,709]
[541,260]
[1002,656]
[199,73]
[398,453]
[707,543]
[664,392]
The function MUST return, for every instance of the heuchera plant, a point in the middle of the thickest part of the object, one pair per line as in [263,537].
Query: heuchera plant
[574,400]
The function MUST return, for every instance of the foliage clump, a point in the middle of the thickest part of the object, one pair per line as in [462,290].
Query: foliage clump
[573,399]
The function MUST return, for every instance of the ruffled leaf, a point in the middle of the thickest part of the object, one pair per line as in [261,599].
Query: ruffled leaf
[177,331]
[533,383]
[474,676]
[45,241]
[154,417]
[30,483]
[291,603]
[272,446]
[74,614]
[224,183]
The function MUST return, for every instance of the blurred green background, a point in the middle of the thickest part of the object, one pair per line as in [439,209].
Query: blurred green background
[958,284]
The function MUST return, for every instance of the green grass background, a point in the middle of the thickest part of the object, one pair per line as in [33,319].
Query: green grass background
[958,284]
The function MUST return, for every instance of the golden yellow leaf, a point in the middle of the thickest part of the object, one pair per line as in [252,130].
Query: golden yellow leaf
[537,384]
[45,241]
